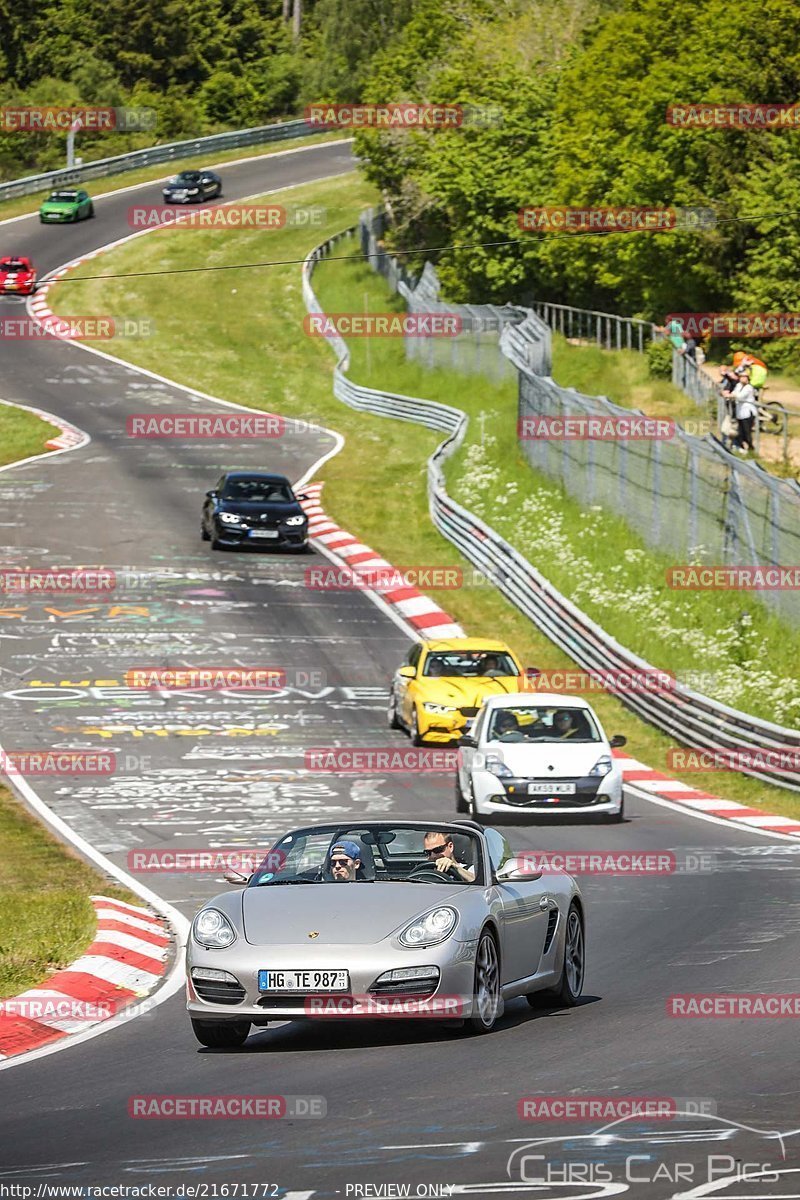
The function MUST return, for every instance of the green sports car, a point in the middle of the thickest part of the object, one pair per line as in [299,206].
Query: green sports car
[66,206]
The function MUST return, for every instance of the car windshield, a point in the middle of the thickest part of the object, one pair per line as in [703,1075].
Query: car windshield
[372,854]
[187,177]
[469,664]
[531,723]
[64,197]
[257,491]
[13,264]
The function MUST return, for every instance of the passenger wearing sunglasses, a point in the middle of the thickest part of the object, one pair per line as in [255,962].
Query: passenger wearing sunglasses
[439,850]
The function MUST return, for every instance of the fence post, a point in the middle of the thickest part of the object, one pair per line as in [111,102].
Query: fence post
[657,499]
[692,495]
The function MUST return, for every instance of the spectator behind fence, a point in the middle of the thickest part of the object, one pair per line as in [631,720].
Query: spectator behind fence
[729,426]
[673,330]
[746,411]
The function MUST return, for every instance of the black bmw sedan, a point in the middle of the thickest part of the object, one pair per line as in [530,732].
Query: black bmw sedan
[190,187]
[250,508]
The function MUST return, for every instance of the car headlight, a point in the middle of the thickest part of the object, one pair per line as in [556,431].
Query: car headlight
[300,519]
[193,191]
[496,766]
[230,518]
[213,930]
[602,766]
[429,930]
[430,707]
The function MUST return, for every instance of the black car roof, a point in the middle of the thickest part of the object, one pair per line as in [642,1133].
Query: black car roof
[260,475]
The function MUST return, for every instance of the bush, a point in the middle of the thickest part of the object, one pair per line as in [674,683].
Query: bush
[659,359]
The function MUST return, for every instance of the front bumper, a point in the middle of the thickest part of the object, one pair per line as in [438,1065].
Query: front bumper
[445,727]
[454,959]
[56,217]
[593,794]
[236,535]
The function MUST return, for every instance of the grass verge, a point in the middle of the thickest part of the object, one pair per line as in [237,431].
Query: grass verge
[22,205]
[22,434]
[46,917]
[246,343]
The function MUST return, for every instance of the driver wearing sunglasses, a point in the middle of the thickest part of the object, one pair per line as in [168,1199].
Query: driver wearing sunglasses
[345,861]
[440,851]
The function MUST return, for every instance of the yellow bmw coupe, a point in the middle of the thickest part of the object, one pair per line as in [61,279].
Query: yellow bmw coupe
[437,693]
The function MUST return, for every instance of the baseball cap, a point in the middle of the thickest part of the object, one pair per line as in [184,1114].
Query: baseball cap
[346,846]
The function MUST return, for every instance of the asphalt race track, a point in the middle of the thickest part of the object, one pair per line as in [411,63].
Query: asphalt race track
[407,1104]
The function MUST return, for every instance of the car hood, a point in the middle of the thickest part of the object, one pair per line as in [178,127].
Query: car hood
[16,275]
[466,693]
[289,508]
[355,914]
[548,761]
[59,206]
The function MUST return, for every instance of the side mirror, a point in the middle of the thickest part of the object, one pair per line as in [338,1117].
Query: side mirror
[211,495]
[617,741]
[512,871]
[407,672]
[467,739]
[529,676]
[236,877]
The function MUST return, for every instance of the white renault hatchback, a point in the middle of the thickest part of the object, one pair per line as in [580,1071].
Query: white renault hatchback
[538,753]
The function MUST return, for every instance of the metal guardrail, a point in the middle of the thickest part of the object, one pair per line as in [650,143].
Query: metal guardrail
[607,330]
[258,135]
[610,331]
[692,719]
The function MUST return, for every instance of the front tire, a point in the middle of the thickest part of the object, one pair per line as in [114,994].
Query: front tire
[618,817]
[391,714]
[221,1035]
[461,804]
[204,534]
[573,966]
[416,737]
[487,1003]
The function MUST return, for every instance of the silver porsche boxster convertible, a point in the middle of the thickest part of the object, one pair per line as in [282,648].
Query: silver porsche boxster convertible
[383,918]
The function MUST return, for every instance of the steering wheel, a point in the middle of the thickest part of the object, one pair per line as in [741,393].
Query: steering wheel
[429,874]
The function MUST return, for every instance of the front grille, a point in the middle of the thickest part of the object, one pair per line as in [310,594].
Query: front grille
[219,991]
[468,712]
[290,999]
[584,795]
[552,921]
[404,987]
[522,800]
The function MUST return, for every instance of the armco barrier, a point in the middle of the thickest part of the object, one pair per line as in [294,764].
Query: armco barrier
[685,715]
[258,135]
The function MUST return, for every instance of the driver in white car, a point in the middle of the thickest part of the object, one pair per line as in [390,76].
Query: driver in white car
[441,851]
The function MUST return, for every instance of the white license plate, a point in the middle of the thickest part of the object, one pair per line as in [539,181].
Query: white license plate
[264,533]
[551,789]
[303,981]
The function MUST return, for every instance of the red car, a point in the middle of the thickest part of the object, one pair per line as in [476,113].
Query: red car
[17,276]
